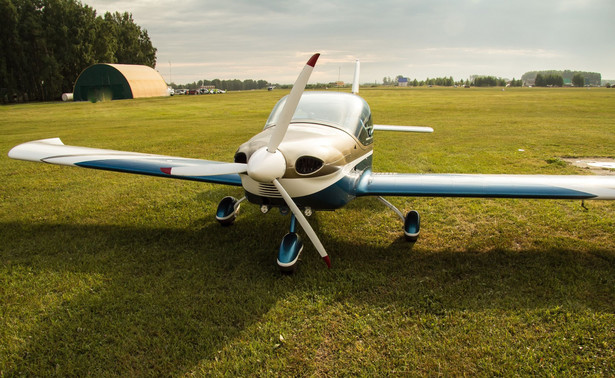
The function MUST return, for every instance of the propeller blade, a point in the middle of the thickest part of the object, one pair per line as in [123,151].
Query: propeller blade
[291,105]
[208,170]
[303,222]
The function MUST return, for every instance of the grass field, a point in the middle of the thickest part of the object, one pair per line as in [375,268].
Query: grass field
[104,273]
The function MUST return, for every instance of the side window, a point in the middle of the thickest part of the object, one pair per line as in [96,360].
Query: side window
[366,130]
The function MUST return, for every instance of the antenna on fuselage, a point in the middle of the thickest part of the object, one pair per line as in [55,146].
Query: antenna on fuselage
[355,80]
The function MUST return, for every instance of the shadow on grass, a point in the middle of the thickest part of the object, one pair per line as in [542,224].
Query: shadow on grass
[159,301]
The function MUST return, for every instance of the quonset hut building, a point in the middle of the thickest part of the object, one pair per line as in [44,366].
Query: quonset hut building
[118,81]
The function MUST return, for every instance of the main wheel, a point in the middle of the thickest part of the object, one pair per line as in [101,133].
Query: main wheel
[227,211]
[412,226]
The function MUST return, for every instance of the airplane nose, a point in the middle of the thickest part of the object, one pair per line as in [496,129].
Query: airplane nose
[265,166]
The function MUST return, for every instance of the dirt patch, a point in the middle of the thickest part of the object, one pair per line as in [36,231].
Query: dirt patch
[597,166]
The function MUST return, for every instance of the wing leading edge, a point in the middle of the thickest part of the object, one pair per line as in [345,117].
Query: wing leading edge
[53,151]
[487,186]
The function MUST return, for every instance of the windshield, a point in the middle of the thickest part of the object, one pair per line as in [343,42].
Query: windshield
[342,110]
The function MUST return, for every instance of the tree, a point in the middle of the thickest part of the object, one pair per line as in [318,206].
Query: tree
[516,83]
[578,80]
[8,46]
[540,81]
[590,78]
[45,44]
[554,80]
[488,81]
[133,44]
[105,44]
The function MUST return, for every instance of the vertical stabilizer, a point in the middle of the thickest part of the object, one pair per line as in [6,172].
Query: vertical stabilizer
[355,80]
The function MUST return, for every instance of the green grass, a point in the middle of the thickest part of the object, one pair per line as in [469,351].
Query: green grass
[104,273]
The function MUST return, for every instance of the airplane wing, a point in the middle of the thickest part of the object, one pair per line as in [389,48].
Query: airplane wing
[411,129]
[53,151]
[487,186]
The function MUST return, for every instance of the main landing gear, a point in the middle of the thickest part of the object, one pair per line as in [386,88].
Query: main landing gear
[228,209]
[292,245]
[412,221]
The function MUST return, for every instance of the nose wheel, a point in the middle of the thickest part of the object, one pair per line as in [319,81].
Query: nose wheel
[290,249]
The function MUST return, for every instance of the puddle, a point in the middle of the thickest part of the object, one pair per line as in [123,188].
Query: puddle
[598,166]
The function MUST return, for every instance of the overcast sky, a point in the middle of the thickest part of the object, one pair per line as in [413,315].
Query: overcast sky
[272,39]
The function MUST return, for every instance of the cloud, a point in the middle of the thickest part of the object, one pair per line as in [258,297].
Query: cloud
[495,51]
[237,38]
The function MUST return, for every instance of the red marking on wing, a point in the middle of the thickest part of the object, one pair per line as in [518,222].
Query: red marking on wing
[166,170]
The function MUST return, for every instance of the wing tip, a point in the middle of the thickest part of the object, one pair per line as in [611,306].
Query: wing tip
[35,150]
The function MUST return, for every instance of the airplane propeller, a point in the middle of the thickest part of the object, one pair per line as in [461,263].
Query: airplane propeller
[268,164]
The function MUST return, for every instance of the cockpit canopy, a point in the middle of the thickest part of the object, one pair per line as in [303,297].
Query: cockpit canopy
[341,110]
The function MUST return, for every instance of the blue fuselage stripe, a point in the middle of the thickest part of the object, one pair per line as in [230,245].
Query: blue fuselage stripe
[152,168]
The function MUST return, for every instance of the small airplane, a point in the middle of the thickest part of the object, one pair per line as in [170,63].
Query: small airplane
[315,153]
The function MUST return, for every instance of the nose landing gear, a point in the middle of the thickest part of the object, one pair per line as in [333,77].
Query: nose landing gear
[290,248]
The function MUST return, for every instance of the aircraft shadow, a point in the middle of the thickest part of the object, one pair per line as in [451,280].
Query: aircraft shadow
[179,296]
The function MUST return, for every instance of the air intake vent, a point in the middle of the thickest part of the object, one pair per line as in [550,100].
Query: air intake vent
[308,164]
[240,157]
[268,190]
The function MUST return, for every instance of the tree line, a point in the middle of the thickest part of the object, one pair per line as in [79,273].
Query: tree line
[536,78]
[246,85]
[475,81]
[227,85]
[553,80]
[46,44]
[439,81]
[559,78]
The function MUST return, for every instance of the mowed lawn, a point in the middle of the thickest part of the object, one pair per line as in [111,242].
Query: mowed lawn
[105,273]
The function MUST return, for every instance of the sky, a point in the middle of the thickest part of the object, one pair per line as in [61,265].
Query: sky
[272,39]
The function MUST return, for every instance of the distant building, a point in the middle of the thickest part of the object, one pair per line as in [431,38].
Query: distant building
[117,82]
[402,82]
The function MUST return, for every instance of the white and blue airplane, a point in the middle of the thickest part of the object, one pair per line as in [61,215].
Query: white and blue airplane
[315,153]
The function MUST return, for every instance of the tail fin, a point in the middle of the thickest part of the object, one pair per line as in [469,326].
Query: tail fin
[355,80]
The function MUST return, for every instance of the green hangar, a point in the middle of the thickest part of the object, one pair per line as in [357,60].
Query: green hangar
[103,81]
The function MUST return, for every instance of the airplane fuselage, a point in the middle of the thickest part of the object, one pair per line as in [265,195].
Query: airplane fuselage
[323,166]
